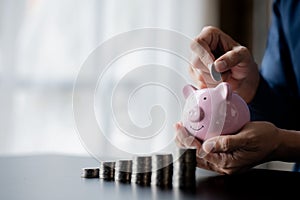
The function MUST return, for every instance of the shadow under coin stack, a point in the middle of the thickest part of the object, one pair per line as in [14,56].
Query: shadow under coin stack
[142,170]
[123,171]
[186,168]
[163,165]
[107,171]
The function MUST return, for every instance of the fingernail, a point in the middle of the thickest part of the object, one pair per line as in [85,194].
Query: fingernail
[221,65]
[193,61]
[209,146]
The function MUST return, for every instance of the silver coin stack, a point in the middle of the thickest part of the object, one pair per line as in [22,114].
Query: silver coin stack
[185,168]
[142,170]
[163,169]
[123,171]
[90,172]
[107,170]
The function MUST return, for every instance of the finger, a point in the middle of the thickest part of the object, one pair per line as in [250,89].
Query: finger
[196,143]
[222,162]
[198,65]
[199,77]
[216,39]
[181,134]
[190,141]
[180,131]
[205,72]
[195,73]
[204,164]
[226,76]
[203,51]
[187,142]
[232,58]
[178,143]
[225,163]
[207,36]
[184,138]
[207,79]
[224,143]
[203,84]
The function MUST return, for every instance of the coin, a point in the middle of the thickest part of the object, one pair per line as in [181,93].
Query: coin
[185,168]
[123,171]
[90,172]
[163,165]
[107,170]
[214,74]
[142,170]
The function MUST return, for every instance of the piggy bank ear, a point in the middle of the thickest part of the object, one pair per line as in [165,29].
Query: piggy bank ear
[187,90]
[225,90]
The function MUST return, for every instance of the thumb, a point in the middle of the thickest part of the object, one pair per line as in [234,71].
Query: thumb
[231,58]
[223,143]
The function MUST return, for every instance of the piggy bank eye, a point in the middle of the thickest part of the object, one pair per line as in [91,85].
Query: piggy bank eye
[204,98]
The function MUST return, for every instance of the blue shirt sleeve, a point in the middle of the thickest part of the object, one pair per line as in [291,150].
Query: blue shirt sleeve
[277,98]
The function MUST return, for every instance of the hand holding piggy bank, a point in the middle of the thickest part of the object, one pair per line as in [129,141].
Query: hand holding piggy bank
[212,112]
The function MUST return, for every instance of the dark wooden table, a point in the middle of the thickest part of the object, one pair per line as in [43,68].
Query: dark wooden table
[58,177]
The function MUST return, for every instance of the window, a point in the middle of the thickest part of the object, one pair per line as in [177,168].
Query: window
[43,44]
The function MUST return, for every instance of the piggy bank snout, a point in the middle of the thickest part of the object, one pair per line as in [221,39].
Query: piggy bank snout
[196,114]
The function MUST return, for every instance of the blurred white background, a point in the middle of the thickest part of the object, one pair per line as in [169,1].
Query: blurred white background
[43,43]
[42,46]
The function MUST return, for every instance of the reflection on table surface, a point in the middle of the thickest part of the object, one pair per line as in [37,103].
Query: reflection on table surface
[58,177]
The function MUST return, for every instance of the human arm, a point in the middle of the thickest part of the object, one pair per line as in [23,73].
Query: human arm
[278,95]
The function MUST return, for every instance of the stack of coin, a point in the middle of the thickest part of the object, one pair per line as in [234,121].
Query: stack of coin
[123,171]
[186,168]
[163,168]
[90,172]
[107,170]
[142,170]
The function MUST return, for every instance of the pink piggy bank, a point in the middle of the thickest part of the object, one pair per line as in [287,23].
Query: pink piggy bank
[212,112]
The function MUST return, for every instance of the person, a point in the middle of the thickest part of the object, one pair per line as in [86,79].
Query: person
[272,92]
